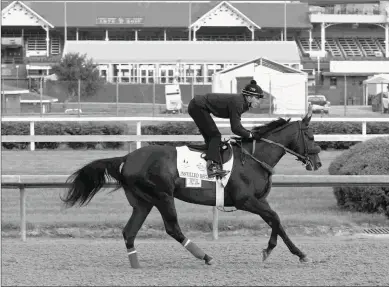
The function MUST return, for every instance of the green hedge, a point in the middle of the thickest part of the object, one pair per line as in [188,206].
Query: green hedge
[367,158]
[66,128]
[172,128]
[318,127]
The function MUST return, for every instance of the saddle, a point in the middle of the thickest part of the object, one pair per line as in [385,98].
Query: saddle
[225,150]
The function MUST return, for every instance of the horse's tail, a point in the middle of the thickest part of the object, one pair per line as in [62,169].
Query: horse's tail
[88,180]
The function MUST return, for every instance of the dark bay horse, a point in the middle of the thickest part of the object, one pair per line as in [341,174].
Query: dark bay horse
[150,178]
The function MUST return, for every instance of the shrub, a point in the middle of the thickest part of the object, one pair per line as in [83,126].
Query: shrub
[15,129]
[190,128]
[65,128]
[368,158]
[172,128]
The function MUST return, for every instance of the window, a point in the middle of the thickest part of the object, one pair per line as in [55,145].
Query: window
[167,73]
[163,76]
[147,73]
[333,82]
[213,69]
[143,76]
[194,73]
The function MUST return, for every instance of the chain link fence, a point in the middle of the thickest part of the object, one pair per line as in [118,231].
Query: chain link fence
[44,97]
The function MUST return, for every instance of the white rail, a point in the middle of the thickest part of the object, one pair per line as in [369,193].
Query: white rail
[248,122]
[58,181]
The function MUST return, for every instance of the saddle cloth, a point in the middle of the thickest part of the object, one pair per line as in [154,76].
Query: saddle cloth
[190,164]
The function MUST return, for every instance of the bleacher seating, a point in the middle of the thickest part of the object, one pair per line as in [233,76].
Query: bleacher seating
[369,46]
[303,43]
[350,47]
[381,43]
[346,47]
[332,47]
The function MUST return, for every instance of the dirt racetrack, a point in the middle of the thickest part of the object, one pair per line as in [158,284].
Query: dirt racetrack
[337,260]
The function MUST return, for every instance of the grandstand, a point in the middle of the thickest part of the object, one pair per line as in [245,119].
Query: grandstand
[159,42]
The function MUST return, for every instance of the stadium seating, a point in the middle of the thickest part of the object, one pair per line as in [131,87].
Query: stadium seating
[346,47]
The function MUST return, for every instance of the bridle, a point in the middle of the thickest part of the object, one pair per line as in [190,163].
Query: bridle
[303,158]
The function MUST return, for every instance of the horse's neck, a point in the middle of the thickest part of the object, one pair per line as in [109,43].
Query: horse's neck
[268,153]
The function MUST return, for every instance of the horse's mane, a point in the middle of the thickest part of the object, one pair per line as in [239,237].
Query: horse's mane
[261,131]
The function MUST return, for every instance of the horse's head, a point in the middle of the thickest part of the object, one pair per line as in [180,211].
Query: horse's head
[295,138]
[305,144]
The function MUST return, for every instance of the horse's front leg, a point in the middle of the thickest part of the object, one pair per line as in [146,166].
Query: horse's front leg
[263,209]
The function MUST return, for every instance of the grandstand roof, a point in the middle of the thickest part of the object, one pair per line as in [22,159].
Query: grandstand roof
[184,51]
[167,14]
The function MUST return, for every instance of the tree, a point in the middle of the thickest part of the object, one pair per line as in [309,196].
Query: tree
[74,67]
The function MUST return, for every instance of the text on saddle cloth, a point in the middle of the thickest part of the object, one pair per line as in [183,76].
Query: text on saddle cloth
[190,164]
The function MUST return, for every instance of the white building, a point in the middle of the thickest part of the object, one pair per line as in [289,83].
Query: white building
[287,86]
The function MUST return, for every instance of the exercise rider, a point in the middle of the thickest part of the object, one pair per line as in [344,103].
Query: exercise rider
[226,106]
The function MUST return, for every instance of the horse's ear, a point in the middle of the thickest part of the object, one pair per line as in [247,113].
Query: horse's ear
[308,116]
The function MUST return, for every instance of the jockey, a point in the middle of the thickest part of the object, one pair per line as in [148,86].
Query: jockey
[227,106]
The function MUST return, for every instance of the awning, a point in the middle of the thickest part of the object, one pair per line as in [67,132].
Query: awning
[378,79]
[33,98]
[9,90]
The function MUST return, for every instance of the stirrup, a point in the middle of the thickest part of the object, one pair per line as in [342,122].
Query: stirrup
[217,173]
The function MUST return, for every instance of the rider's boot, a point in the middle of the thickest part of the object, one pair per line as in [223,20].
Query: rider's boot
[215,169]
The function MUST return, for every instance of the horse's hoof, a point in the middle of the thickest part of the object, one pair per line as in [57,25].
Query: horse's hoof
[209,260]
[305,259]
[265,255]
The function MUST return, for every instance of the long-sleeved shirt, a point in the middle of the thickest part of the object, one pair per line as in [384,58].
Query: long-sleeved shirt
[226,106]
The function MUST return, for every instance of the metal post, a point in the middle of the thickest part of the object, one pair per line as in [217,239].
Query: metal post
[192,86]
[3,109]
[382,98]
[153,98]
[17,76]
[117,98]
[364,100]
[345,95]
[270,96]
[41,95]
[285,35]
[138,133]
[32,133]
[306,96]
[23,213]
[387,40]
[323,37]
[215,223]
[190,21]
[65,23]
[364,128]
[79,97]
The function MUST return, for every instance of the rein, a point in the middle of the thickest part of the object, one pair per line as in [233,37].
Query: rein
[303,158]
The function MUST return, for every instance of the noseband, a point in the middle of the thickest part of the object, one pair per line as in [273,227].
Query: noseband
[303,158]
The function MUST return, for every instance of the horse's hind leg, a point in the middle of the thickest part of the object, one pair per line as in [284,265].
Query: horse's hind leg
[263,209]
[168,211]
[140,210]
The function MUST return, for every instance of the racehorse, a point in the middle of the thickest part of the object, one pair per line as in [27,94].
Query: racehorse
[150,178]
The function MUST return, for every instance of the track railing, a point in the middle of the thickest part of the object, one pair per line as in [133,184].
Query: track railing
[22,182]
[138,138]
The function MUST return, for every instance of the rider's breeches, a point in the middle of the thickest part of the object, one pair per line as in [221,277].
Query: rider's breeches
[208,130]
